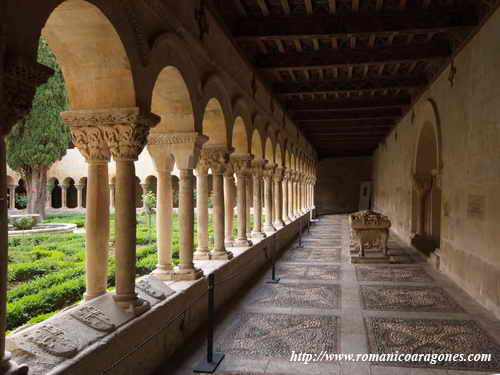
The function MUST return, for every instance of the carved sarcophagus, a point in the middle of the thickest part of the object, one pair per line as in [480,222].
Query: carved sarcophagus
[370,230]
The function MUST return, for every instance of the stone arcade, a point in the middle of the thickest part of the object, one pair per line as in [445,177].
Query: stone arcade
[273,111]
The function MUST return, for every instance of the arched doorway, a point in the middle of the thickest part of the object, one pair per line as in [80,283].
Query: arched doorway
[426,220]
[21,195]
[55,193]
[71,193]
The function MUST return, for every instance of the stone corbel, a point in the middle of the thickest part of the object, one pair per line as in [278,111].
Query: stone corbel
[185,147]
[21,79]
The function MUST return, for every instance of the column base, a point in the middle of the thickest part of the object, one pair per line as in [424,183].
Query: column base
[287,221]
[269,228]
[221,255]
[164,274]
[242,243]
[201,255]
[88,297]
[188,275]
[278,224]
[258,235]
[9,367]
[136,306]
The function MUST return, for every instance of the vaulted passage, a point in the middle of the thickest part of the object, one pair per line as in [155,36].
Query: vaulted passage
[232,127]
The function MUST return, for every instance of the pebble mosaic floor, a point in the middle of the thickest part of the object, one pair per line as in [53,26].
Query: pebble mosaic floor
[325,303]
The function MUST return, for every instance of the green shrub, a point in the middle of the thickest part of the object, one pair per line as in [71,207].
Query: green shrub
[24,223]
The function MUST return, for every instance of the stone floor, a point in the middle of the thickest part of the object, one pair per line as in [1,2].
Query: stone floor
[325,304]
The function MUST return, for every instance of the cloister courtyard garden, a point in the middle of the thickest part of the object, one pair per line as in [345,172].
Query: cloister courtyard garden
[47,272]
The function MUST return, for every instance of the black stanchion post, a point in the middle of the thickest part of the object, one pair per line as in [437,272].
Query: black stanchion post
[213,360]
[273,280]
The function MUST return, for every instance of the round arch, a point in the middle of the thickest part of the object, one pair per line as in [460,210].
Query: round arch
[78,32]
[239,139]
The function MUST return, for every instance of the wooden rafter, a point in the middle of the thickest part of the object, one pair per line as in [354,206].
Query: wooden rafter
[346,57]
[348,105]
[346,25]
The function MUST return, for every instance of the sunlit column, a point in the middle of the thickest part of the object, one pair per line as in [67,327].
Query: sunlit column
[164,164]
[284,186]
[202,252]
[278,198]
[79,197]
[12,196]
[268,182]
[241,164]
[228,206]
[257,171]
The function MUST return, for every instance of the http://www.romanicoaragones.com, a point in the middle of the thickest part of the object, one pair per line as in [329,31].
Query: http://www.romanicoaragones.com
[430,358]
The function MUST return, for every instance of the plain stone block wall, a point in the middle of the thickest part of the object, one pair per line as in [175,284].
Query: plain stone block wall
[339,182]
[467,118]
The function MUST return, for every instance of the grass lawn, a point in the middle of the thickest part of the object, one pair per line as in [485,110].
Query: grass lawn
[47,272]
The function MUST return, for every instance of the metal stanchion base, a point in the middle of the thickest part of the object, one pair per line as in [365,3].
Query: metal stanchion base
[273,281]
[209,367]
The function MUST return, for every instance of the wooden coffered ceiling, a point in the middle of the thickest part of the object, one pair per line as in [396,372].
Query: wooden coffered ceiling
[348,70]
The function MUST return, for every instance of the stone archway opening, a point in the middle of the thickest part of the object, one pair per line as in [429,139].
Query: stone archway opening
[427,192]
[20,195]
[71,193]
[55,193]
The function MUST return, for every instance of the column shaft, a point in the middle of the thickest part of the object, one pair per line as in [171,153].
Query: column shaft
[248,203]
[202,215]
[112,193]
[257,207]
[242,240]
[125,244]
[79,197]
[4,245]
[96,229]
[229,209]
[219,251]
[278,202]
[286,218]
[268,226]
[186,227]
[12,197]
[64,197]
[164,270]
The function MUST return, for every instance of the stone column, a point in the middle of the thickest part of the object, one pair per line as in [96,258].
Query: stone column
[144,188]
[290,196]
[20,81]
[126,132]
[79,189]
[112,198]
[295,195]
[278,198]
[248,200]
[163,162]
[268,174]
[284,187]
[64,196]
[202,252]
[89,138]
[241,164]
[186,149]
[217,160]
[257,170]
[12,196]
[228,206]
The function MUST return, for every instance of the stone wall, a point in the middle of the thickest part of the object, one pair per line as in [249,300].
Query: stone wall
[339,182]
[465,117]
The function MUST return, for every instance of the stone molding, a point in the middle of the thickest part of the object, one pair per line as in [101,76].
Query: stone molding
[21,79]
[186,147]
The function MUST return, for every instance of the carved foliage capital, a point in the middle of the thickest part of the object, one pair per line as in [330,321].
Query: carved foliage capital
[91,142]
[241,164]
[215,158]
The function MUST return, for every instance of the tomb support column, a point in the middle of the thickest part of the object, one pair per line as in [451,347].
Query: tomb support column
[422,185]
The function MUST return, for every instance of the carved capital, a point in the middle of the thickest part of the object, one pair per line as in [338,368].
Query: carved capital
[216,158]
[241,164]
[186,147]
[90,142]
[21,79]
[258,167]
[278,174]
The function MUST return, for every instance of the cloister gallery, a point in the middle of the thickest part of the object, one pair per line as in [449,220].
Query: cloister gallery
[285,115]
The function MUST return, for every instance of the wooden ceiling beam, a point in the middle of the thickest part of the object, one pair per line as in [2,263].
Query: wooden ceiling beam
[360,123]
[348,105]
[333,86]
[387,113]
[347,25]
[331,58]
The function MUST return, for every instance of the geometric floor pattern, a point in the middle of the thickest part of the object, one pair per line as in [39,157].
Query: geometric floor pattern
[433,336]
[407,298]
[258,335]
[323,303]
